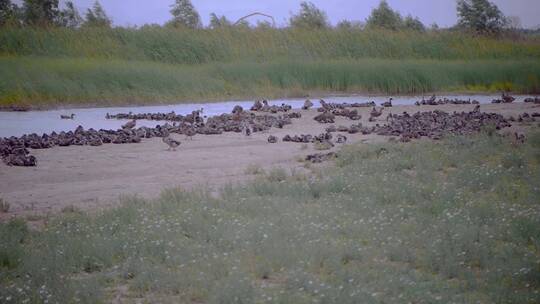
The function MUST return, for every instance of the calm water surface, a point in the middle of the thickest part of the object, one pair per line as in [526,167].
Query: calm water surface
[19,123]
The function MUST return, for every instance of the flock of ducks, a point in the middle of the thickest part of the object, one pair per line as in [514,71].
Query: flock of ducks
[14,151]
[433,101]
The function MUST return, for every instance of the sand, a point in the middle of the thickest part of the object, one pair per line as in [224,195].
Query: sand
[92,178]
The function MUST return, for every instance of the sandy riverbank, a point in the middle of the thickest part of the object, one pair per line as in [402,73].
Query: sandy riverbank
[90,178]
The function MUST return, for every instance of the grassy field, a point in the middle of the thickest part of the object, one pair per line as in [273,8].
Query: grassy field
[428,222]
[154,65]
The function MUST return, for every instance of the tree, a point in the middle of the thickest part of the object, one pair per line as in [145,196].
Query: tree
[413,24]
[8,13]
[219,22]
[350,25]
[70,17]
[480,16]
[263,25]
[96,17]
[309,17]
[384,17]
[41,12]
[514,23]
[185,15]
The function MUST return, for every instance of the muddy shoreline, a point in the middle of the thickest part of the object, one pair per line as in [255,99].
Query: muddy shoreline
[92,178]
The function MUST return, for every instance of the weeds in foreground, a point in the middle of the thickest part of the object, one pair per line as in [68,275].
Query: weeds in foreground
[453,221]
[254,169]
[4,206]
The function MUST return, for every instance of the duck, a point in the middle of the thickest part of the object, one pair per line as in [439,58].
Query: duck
[173,144]
[257,105]
[72,116]
[272,139]
[190,132]
[130,124]
[246,129]
[506,98]
[307,105]
[341,139]
[237,109]
[265,107]
[374,113]
[388,104]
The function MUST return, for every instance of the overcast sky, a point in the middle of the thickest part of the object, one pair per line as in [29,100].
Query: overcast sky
[442,12]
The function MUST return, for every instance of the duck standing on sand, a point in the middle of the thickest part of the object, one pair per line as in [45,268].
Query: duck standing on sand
[130,124]
[246,129]
[72,116]
[190,132]
[173,144]
[257,105]
[307,105]
[374,113]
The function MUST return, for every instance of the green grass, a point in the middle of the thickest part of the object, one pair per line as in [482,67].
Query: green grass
[453,221]
[204,46]
[154,65]
[43,82]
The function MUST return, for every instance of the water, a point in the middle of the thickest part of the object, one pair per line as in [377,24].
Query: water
[19,123]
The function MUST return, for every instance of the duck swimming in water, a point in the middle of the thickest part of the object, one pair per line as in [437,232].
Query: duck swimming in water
[72,116]
[387,104]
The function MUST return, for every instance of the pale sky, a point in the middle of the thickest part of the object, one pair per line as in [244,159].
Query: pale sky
[443,12]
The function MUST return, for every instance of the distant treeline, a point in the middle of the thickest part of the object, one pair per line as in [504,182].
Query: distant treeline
[476,16]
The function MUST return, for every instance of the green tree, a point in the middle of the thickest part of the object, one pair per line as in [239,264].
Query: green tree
[480,16]
[41,12]
[414,24]
[263,25]
[70,17]
[350,25]
[219,22]
[309,17]
[8,13]
[96,17]
[185,15]
[384,17]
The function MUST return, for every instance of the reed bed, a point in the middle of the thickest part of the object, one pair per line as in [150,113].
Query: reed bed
[44,82]
[229,45]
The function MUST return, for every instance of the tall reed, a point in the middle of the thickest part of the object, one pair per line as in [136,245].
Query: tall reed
[44,81]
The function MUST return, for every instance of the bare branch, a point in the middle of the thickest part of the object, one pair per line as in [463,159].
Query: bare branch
[254,14]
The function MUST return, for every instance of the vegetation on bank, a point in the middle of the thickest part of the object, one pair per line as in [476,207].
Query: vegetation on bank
[184,46]
[451,221]
[50,55]
[45,82]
